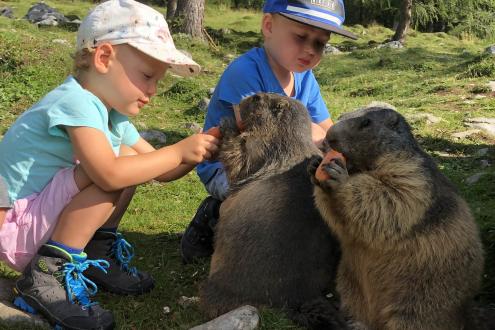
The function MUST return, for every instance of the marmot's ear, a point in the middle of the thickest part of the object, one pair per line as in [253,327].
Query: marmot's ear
[280,107]
[392,119]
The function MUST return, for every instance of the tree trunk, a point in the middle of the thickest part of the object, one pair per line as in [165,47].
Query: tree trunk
[171,8]
[181,6]
[404,21]
[193,12]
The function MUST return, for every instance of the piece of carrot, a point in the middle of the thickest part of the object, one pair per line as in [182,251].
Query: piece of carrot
[321,174]
[214,131]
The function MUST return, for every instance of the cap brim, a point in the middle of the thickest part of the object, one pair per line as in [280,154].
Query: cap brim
[320,25]
[180,63]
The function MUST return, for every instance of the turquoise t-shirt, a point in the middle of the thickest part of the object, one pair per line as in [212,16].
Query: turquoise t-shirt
[37,146]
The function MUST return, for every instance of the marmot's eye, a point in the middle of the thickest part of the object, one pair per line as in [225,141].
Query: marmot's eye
[364,123]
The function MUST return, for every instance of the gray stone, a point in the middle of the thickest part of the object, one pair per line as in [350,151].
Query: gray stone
[195,127]
[188,301]
[485,163]
[474,178]
[7,12]
[329,49]
[490,50]
[465,134]
[391,44]
[6,287]
[42,14]
[427,117]
[479,97]
[378,104]
[487,125]
[211,91]
[242,318]
[154,135]
[203,104]
[491,85]
[482,152]
[61,41]
[11,315]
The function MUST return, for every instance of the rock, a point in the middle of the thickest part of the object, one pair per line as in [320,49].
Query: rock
[211,91]
[491,85]
[242,318]
[391,44]
[465,134]
[42,14]
[378,104]
[487,125]
[482,152]
[490,50]
[188,301]
[166,310]
[203,104]
[60,41]
[195,127]
[428,117]
[479,97]
[6,287]
[10,314]
[474,178]
[154,135]
[485,163]
[329,49]
[6,12]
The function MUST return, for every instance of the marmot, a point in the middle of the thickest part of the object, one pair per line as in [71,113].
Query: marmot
[272,248]
[411,253]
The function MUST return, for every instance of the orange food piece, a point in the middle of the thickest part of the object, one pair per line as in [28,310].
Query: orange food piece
[214,131]
[321,174]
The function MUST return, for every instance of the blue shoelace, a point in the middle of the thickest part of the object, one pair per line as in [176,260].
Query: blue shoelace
[124,252]
[79,286]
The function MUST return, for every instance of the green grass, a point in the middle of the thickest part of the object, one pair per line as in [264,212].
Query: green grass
[435,73]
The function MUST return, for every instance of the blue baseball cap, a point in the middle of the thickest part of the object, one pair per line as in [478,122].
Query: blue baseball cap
[328,15]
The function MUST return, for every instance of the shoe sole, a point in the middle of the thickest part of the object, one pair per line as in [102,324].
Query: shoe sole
[106,288]
[26,304]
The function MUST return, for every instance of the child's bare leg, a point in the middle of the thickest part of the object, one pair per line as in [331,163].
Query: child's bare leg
[91,209]
[125,197]
[87,212]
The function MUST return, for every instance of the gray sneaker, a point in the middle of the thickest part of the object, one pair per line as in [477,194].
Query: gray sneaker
[120,277]
[53,284]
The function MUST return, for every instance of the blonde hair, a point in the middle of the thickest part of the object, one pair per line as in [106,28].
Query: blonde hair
[82,61]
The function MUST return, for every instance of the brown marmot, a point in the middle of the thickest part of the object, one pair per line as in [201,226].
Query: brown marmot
[411,252]
[272,248]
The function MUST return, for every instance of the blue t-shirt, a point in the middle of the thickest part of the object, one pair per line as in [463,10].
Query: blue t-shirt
[247,75]
[37,146]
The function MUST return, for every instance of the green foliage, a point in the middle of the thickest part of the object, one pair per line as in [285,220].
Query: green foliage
[424,77]
[463,18]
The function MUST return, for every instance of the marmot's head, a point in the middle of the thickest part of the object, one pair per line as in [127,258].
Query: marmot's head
[364,135]
[273,116]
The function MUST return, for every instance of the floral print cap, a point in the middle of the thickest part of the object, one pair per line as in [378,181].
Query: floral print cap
[133,23]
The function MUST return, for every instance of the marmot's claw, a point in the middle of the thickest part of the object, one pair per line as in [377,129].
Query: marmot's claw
[228,127]
[313,164]
[337,172]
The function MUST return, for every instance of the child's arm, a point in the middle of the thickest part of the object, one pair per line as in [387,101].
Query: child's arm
[110,172]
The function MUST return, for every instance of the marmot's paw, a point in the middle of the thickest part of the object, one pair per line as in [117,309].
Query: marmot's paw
[313,164]
[228,127]
[338,174]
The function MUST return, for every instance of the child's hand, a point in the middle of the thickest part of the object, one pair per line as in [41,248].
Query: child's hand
[197,148]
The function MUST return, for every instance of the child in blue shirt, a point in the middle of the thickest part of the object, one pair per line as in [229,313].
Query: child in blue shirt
[295,34]
[69,166]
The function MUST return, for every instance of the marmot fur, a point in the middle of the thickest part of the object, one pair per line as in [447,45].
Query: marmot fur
[272,248]
[412,257]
